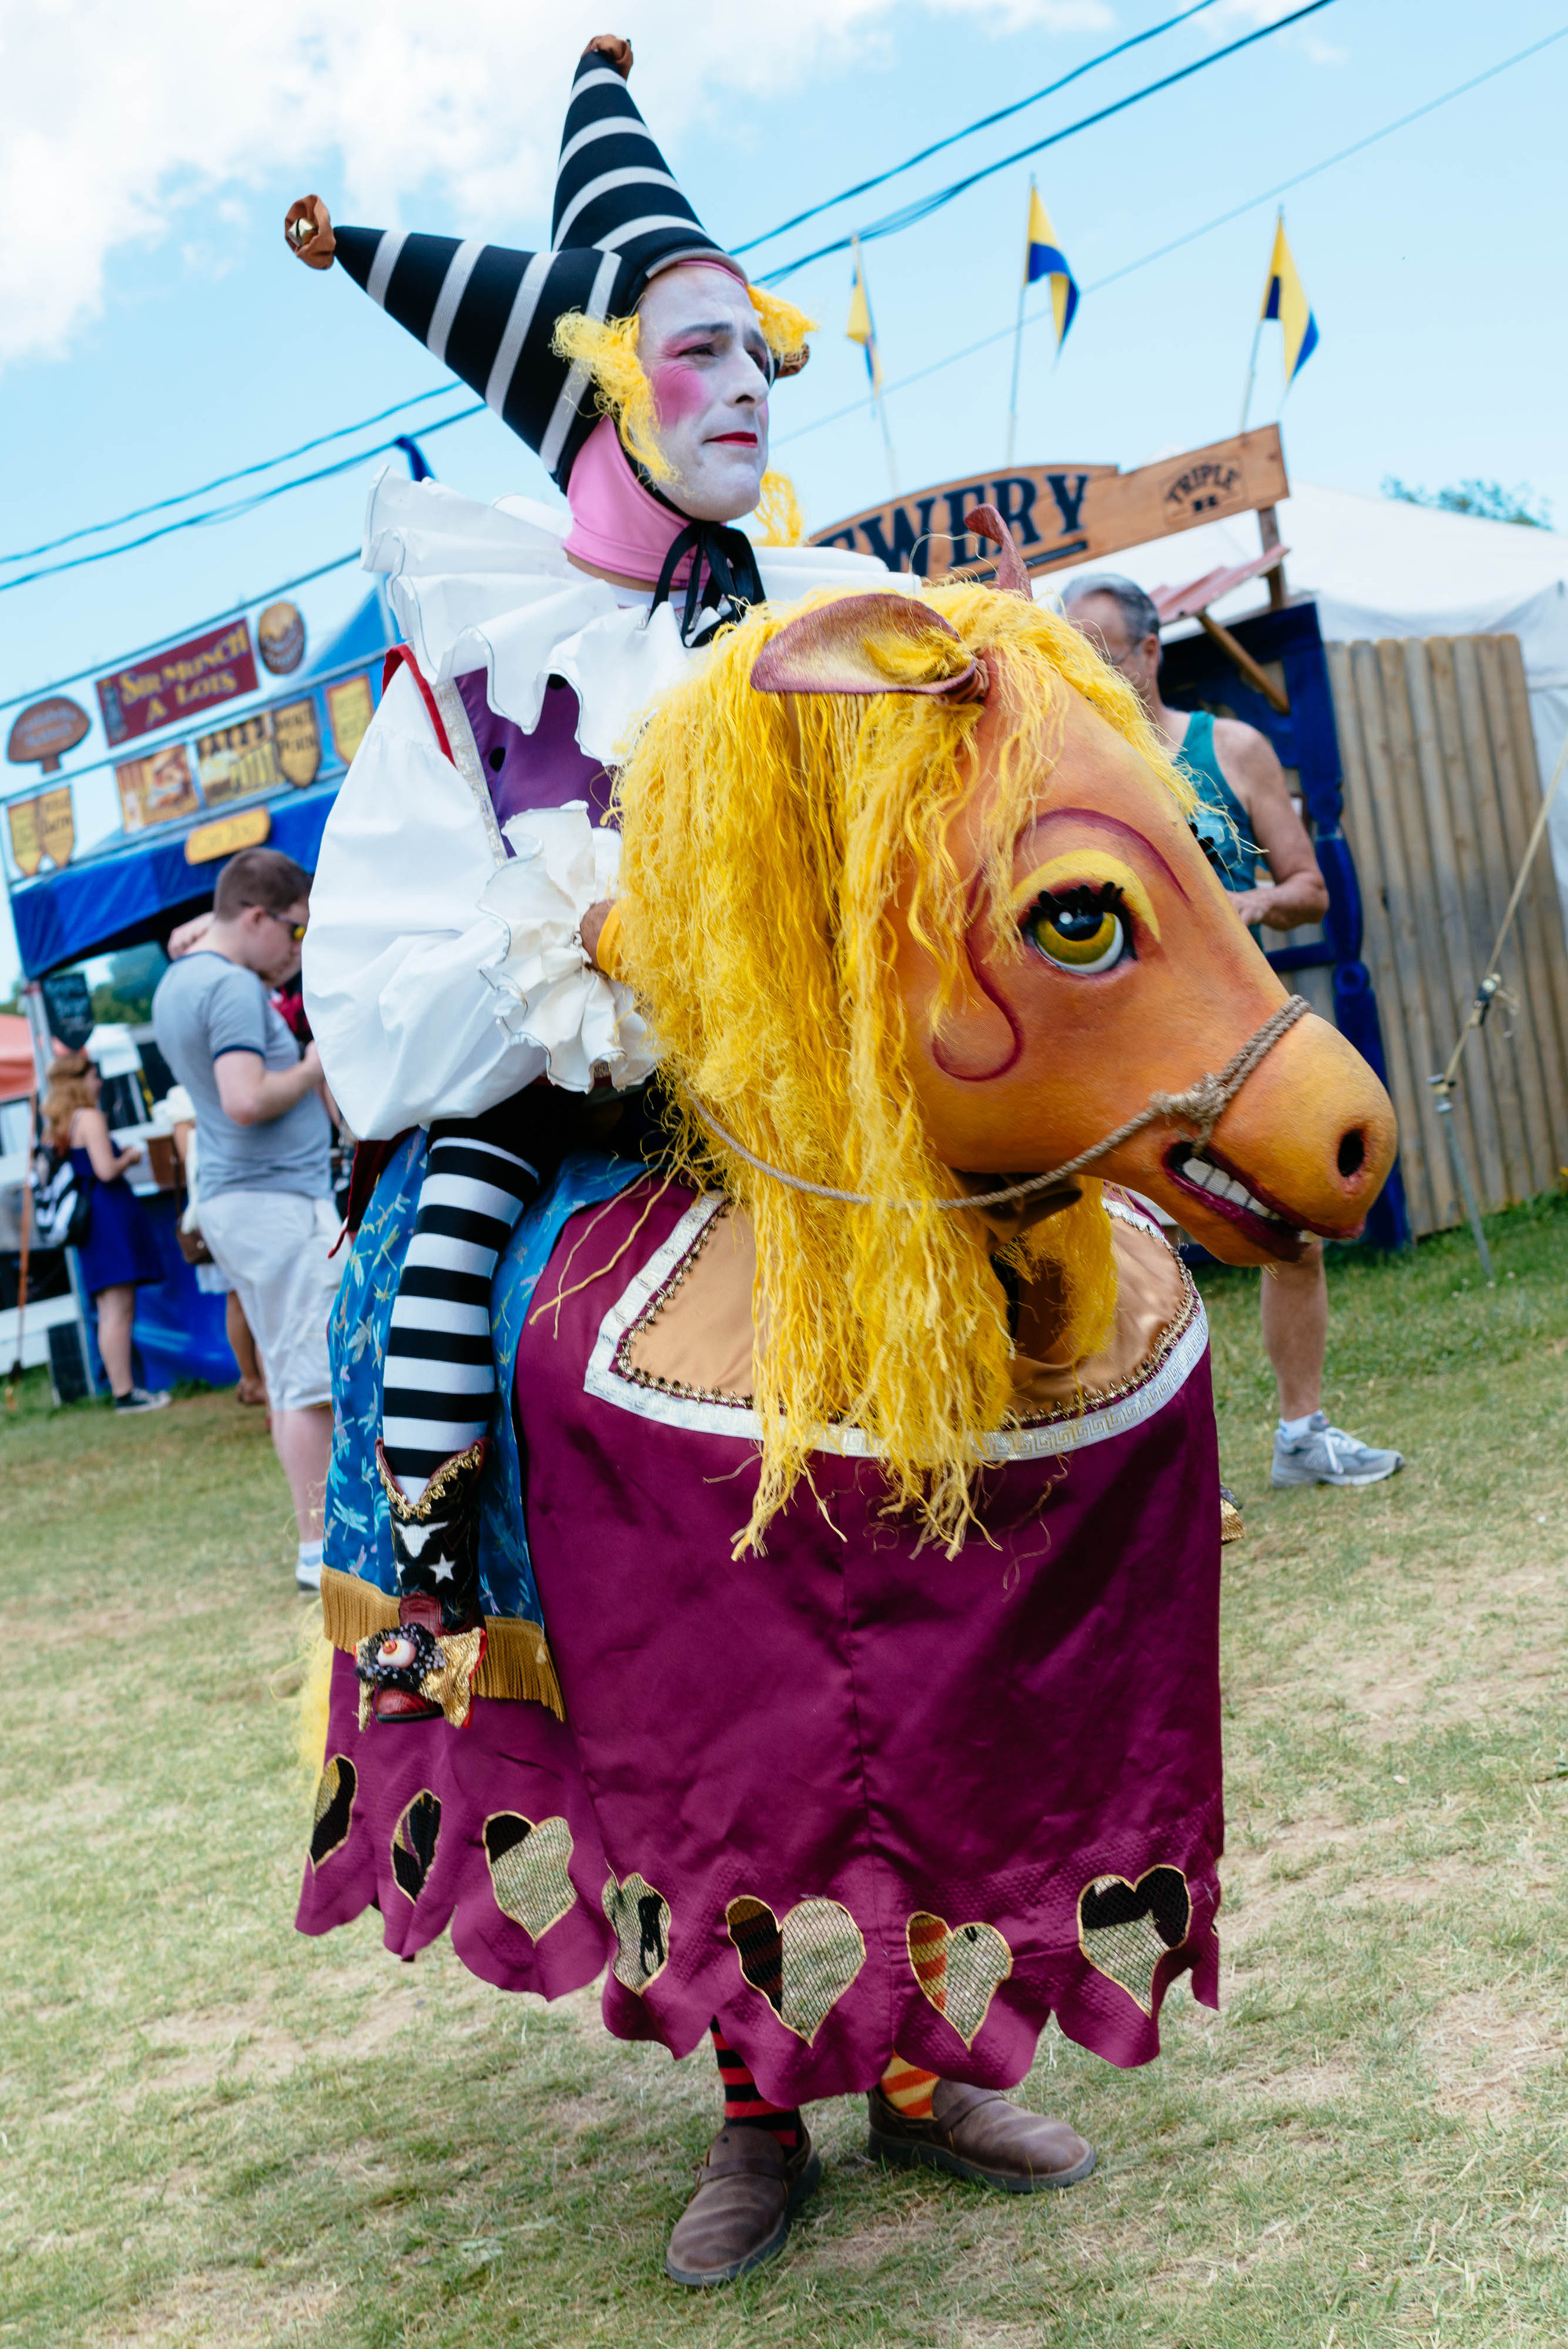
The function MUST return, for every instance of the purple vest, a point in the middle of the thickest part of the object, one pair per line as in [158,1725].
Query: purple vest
[542,770]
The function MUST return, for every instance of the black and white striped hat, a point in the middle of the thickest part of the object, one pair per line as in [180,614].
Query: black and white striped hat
[489,313]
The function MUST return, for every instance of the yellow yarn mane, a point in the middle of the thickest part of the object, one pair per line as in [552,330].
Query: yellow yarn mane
[765,842]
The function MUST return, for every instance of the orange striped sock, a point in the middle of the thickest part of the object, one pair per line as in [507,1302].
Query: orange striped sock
[908,2089]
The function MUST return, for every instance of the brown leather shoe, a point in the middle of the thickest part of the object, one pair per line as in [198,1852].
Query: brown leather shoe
[748,2191]
[976,2133]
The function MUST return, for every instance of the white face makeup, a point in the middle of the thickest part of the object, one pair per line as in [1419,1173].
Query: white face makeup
[702,350]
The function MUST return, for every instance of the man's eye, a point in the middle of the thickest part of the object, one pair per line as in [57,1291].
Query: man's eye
[1081,930]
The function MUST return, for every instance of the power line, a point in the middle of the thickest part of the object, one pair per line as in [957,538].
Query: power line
[222,482]
[1222,220]
[240,506]
[173,636]
[924,206]
[986,122]
[270,464]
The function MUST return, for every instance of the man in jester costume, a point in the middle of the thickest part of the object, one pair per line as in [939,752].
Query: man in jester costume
[782,1578]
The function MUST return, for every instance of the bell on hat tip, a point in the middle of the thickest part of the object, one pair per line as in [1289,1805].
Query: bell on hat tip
[307,225]
[616,50]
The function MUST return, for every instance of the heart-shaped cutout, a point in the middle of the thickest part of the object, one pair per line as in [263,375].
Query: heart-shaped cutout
[414,1841]
[1125,1928]
[334,1808]
[640,1918]
[526,1863]
[959,1967]
[803,1967]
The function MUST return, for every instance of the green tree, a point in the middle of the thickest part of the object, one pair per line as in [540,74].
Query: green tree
[1487,500]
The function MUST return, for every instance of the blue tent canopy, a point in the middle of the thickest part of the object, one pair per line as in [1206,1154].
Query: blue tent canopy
[139,885]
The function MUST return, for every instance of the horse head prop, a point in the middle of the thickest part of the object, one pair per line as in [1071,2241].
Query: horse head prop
[912,900]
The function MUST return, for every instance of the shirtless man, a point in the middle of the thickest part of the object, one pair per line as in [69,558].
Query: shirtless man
[1246,810]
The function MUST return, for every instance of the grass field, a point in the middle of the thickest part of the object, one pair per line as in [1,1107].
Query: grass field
[213,2131]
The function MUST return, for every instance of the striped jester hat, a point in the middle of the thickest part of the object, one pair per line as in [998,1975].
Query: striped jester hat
[489,313]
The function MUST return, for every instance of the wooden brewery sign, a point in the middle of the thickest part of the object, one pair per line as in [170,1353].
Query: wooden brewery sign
[1070,513]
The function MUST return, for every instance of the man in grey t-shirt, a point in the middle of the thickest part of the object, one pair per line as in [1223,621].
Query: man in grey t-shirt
[264,1138]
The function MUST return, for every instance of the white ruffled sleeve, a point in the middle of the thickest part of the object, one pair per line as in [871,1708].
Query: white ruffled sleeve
[548,992]
[400,949]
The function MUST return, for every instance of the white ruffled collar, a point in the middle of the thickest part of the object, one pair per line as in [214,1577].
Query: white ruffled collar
[477,586]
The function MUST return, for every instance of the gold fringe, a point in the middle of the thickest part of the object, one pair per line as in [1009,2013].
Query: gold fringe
[518,1665]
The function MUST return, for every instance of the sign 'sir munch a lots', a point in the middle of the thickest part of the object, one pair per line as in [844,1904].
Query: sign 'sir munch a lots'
[1070,513]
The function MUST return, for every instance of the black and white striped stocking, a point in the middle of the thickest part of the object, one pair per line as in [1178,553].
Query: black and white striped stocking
[439,1372]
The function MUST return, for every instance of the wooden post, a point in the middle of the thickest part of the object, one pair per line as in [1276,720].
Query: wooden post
[1268,531]
[1237,654]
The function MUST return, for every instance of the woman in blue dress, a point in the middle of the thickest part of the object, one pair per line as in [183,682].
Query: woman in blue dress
[118,1255]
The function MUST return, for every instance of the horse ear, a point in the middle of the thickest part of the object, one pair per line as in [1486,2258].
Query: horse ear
[869,644]
[1011,577]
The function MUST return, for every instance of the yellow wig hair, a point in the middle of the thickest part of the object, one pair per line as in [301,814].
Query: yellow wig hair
[778,516]
[784,328]
[765,842]
[607,348]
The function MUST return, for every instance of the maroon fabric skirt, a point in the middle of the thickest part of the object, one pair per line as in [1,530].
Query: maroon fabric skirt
[848,1796]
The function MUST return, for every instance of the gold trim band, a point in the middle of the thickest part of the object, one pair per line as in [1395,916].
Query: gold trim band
[516,1666]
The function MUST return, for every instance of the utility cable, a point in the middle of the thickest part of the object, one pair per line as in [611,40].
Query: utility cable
[987,122]
[221,480]
[1222,220]
[923,208]
[240,505]
[177,635]
[270,464]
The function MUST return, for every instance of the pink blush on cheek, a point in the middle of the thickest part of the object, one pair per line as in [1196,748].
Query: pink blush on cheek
[680,391]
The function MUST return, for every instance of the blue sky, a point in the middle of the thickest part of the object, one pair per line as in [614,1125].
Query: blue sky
[155,332]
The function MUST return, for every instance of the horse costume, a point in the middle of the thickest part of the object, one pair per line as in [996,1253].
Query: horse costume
[850,1557]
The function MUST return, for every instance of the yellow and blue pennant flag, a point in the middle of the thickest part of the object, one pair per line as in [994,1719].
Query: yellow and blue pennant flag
[1284,298]
[861,327]
[1045,258]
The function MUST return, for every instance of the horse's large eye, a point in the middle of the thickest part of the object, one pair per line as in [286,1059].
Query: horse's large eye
[1081,930]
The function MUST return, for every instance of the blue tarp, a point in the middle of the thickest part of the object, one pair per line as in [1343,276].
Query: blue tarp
[123,895]
[138,887]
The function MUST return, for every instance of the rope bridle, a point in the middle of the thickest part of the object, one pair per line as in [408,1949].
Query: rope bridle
[1200,1108]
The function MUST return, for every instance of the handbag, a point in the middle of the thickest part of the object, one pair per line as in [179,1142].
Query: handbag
[62,1202]
[192,1247]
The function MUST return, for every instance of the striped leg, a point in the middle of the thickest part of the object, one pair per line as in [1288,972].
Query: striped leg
[744,2105]
[440,1373]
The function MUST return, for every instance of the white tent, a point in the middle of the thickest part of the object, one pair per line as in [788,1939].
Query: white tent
[1379,567]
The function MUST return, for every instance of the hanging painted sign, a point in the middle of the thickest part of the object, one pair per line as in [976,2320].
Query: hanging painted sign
[43,828]
[44,732]
[181,681]
[1070,513]
[238,761]
[229,833]
[157,789]
[296,730]
[280,639]
[350,707]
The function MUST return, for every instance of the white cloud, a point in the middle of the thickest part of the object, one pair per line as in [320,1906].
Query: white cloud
[123,124]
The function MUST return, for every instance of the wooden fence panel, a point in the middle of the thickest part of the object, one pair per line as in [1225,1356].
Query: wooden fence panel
[1442,791]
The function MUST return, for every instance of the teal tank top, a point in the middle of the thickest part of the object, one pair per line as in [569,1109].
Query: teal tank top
[1218,819]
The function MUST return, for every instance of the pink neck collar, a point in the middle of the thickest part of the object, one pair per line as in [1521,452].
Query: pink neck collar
[617,522]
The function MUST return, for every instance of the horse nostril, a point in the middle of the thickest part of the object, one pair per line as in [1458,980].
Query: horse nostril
[1352,1154]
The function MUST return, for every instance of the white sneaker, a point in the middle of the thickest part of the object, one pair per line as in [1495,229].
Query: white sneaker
[139,1399]
[1327,1455]
[307,1574]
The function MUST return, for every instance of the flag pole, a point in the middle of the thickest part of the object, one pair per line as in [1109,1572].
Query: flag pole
[1019,330]
[1252,374]
[874,355]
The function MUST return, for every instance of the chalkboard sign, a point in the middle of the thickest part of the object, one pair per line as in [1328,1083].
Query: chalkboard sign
[70,1008]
